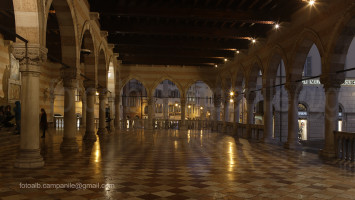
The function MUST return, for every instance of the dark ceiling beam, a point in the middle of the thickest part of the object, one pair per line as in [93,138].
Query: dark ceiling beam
[188,30]
[162,63]
[162,59]
[258,17]
[171,51]
[179,43]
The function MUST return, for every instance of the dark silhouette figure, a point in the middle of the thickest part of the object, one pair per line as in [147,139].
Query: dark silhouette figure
[17,111]
[43,122]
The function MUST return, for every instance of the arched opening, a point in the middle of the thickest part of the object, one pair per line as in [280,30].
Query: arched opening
[199,102]
[259,112]
[167,101]
[134,103]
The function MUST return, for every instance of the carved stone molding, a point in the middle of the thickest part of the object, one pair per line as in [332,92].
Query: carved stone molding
[217,100]
[250,96]
[89,84]
[69,76]
[331,81]
[30,57]
[293,89]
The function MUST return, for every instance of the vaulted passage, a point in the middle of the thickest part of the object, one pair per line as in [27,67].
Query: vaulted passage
[177,99]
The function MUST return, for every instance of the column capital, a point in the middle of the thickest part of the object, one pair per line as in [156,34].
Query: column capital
[183,101]
[237,98]
[217,100]
[293,89]
[69,76]
[89,84]
[250,95]
[331,80]
[30,57]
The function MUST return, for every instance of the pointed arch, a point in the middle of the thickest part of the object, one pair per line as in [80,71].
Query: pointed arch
[65,14]
[300,51]
[255,68]
[340,41]
[273,62]
[158,81]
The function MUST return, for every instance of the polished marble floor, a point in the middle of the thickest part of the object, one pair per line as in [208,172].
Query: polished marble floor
[175,165]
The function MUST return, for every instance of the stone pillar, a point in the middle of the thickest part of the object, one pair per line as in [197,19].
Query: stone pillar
[293,89]
[51,112]
[236,101]
[165,100]
[250,97]
[183,111]
[111,105]
[30,59]
[90,107]
[83,112]
[217,106]
[102,108]
[268,95]
[151,105]
[117,112]
[225,114]
[331,86]
[69,138]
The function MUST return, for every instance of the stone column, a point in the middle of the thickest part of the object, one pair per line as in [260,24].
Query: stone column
[151,105]
[83,112]
[102,108]
[30,59]
[69,82]
[217,106]
[331,84]
[117,112]
[183,111]
[250,97]
[225,114]
[293,89]
[268,95]
[111,105]
[52,99]
[90,107]
[236,101]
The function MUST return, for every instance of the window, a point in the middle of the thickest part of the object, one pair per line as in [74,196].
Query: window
[307,71]
[158,93]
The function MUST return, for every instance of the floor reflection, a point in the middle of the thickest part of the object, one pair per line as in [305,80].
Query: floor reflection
[176,165]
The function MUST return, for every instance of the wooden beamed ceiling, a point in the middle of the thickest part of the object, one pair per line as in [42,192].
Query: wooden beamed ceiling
[187,32]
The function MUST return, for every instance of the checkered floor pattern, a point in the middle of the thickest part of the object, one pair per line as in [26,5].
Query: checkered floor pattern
[176,165]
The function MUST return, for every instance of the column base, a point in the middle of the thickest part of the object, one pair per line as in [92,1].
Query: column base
[89,136]
[70,145]
[327,153]
[29,159]
[183,128]
[102,131]
[294,145]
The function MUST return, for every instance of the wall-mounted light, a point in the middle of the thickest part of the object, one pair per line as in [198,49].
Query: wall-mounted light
[189,106]
[277,26]
[225,60]
[231,100]
[201,108]
[215,66]
[231,93]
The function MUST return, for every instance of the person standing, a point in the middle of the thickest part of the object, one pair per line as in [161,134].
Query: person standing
[43,122]
[17,111]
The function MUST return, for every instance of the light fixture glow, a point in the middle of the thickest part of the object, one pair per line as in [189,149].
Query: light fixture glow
[277,26]
[189,106]
[176,104]
[201,108]
[231,93]
[238,52]
[225,60]
[215,66]
[231,100]
[312,2]
[253,40]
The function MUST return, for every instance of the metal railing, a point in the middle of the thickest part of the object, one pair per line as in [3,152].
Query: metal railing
[344,145]
[58,121]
